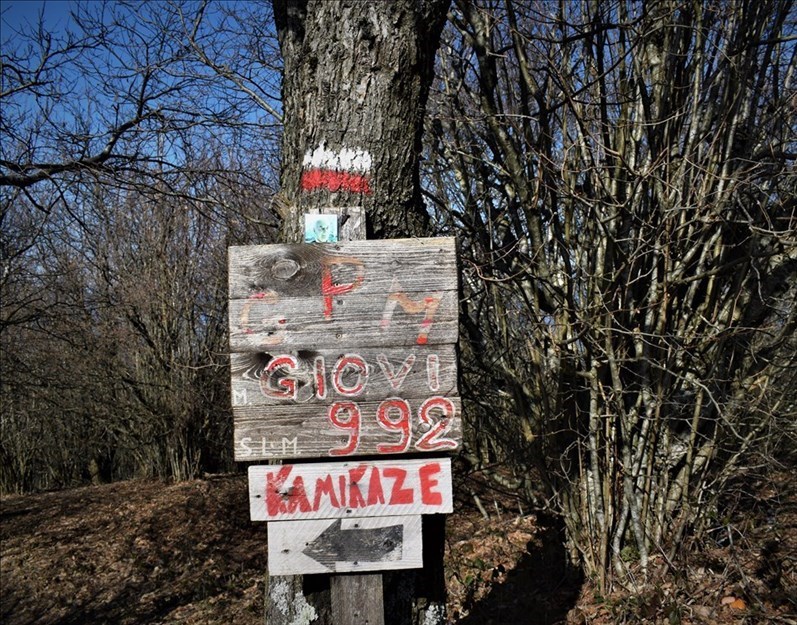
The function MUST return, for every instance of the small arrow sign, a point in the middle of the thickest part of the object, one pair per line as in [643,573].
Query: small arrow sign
[344,545]
[357,544]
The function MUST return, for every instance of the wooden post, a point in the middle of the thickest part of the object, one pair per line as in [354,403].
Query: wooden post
[357,599]
[347,591]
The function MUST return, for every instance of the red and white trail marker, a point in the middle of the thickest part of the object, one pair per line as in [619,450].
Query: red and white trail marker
[343,170]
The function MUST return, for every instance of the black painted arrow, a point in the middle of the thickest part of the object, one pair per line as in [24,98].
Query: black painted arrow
[335,544]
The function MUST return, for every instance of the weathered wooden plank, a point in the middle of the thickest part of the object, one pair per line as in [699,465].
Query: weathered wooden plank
[344,545]
[322,376]
[347,428]
[334,490]
[358,599]
[351,268]
[264,323]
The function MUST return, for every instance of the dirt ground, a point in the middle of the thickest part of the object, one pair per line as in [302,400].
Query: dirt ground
[149,552]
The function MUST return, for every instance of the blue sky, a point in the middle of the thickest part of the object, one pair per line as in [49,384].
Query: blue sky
[16,13]
[85,93]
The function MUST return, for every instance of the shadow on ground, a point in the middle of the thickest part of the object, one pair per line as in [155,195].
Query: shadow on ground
[540,589]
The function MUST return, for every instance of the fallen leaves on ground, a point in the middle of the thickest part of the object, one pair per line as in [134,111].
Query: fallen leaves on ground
[148,552]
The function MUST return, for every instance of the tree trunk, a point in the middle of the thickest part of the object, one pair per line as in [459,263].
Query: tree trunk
[355,83]
[356,79]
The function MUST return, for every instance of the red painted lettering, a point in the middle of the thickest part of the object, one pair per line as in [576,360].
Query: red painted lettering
[428,305]
[275,483]
[324,487]
[320,378]
[428,482]
[270,336]
[330,288]
[400,424]
[288,387]
[395,379]
[434,439]
[297,497]
[432,372]
[398,495]
[355,494]
[351,425]
[375,494]
[343,367]
[342,485]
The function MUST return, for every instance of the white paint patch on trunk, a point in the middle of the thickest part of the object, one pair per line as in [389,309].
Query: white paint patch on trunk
[346,159]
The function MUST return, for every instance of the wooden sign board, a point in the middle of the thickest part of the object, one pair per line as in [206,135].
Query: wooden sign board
[347,428]
[400,292]
[345,545]
[344,349]
[336,490]
[368,374]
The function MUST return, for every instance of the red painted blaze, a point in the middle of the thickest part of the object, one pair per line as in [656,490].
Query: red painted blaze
[335,181]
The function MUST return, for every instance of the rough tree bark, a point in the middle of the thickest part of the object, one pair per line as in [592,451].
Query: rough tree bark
[356,79]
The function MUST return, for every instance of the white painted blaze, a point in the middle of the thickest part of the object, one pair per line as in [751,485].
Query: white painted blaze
[345,159]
